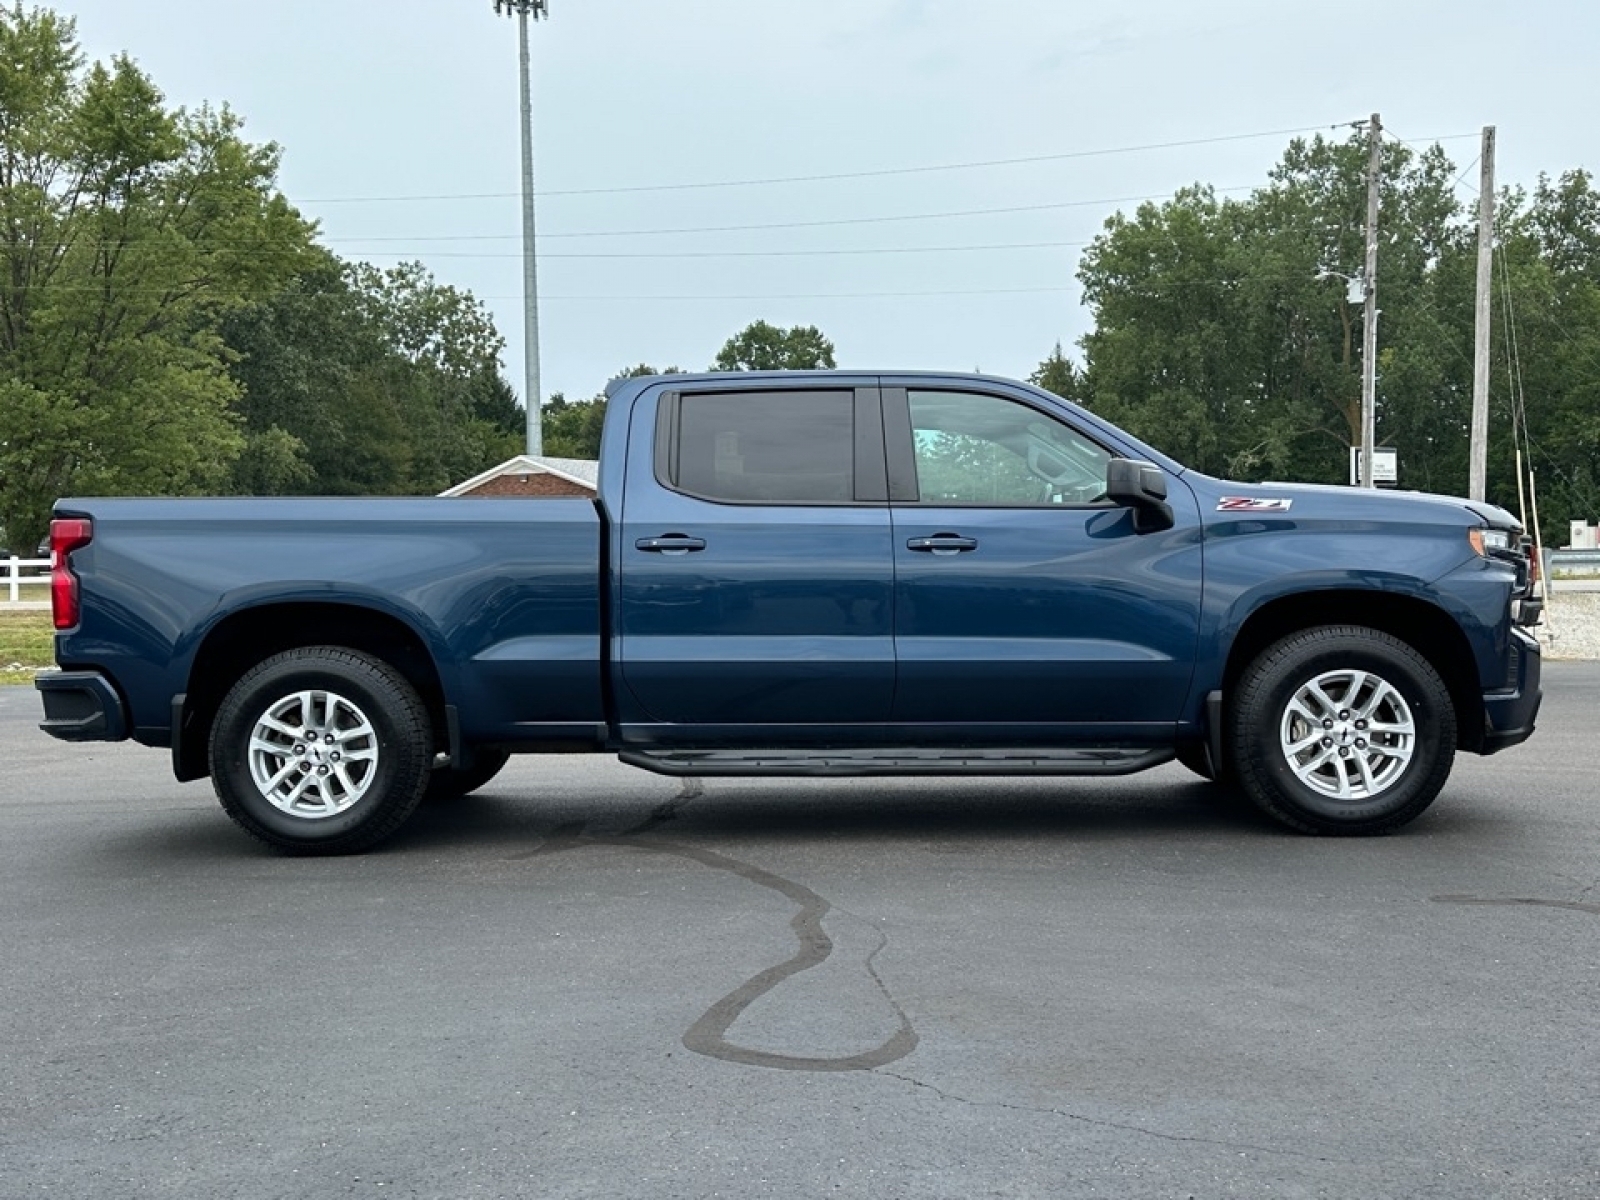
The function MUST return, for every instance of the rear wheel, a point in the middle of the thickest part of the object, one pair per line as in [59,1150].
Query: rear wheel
[320,750]
[1342,729]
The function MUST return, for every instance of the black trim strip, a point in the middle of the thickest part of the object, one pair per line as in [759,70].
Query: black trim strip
[899,447]
[871,474]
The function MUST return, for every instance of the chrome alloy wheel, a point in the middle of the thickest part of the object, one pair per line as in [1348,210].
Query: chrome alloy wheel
[1347,734]
[313,754]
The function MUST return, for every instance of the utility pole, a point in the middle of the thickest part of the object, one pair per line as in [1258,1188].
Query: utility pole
[1478,454]
[1369,323]
[522,10]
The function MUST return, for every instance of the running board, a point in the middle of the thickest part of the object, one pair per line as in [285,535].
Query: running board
[1091,760]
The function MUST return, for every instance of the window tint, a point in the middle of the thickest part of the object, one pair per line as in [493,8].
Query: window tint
[975,449]
[767,447]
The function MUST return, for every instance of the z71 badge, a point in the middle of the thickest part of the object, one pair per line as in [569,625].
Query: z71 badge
[1254,504]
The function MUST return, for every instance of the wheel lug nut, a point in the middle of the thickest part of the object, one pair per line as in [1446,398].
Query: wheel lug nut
[322,770]
[1361,743]
[1344,751]
[1327,722]
[1344,714]
[300,750]
[1361,724]
[1327,741]
[334,757]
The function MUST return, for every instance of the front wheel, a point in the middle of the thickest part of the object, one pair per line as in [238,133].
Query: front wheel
[321,750]
[1342,729]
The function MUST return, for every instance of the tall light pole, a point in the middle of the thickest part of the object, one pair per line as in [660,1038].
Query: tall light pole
[1478,443]
[522,10]
[1369,322]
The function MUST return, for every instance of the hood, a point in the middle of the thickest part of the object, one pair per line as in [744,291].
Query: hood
[1323,499]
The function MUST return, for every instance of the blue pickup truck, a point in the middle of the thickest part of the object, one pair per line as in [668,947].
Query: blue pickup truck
[805,573]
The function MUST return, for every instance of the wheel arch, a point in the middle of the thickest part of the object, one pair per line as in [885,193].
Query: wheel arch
[1423,626]
[252,635]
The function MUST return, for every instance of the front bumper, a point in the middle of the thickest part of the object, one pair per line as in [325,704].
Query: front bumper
[1509,713]
[81,706]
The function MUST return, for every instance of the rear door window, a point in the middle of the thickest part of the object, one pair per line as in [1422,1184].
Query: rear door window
[764,447]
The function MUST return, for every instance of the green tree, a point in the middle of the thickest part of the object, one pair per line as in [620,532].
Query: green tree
[448,352]
[1057,374]
[1547,349]
[127,230]
[1221,335]
[572,428]
[1224,334]
[763,347]
[361,381]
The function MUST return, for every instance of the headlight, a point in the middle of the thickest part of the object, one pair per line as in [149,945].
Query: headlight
[1487,541]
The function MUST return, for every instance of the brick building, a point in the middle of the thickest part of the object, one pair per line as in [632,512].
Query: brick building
[526,476]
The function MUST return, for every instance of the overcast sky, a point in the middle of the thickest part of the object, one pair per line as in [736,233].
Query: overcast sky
[376,105]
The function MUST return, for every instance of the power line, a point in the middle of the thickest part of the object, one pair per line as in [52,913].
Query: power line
[763,296]
[1461,177]
[1427,141]
[413,239]
[842,221]
[837,175]
[753,253]
[416,239]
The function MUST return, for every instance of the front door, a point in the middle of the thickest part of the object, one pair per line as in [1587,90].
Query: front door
[1027,607]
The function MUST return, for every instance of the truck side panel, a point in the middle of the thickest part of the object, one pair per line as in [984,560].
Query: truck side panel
[504,595]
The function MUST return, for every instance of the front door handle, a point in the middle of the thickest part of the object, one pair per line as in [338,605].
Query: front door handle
[942,543]
[671,543]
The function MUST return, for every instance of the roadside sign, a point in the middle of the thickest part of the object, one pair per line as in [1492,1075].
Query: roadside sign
[1385,466]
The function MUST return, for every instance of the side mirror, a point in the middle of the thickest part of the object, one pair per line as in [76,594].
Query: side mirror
[1142,487]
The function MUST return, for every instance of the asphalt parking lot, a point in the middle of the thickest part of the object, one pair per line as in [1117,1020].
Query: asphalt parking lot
[577,984]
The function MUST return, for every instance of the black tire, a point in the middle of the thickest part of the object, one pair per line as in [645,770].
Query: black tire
[339,765]
[1358,774]
[445,784]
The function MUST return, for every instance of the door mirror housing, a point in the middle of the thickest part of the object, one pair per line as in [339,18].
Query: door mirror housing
[1141,486]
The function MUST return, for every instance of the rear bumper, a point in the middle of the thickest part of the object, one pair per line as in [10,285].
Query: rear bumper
[1509,713]
[81,706]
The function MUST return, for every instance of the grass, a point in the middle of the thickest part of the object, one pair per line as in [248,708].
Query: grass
[27,639]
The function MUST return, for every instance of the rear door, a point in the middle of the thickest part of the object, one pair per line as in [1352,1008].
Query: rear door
[1027,606]
[756,571]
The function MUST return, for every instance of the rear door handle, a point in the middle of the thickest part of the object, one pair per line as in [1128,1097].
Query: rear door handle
[671,543]
[942,543]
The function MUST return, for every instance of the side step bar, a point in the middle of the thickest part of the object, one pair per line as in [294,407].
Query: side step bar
[1090,760]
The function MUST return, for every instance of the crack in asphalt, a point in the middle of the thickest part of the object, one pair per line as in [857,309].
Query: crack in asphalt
[1522,902]
[1101,1122]
[709,1034]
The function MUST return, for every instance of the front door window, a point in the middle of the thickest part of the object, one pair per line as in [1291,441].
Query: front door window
[976,449]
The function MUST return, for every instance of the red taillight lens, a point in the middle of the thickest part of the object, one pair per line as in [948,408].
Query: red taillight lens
[66,535]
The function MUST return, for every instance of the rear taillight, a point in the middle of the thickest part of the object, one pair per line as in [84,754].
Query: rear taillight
[66,535]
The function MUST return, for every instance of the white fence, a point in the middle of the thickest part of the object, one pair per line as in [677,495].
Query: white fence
[26,582]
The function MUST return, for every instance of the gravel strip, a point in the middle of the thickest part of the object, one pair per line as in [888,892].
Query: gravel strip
[1571,626]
